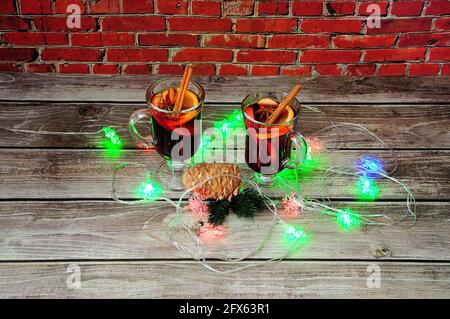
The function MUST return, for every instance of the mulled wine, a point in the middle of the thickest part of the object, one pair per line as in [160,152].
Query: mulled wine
[268,147]
[181,130]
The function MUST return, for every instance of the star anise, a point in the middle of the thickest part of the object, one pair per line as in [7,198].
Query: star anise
[265,112]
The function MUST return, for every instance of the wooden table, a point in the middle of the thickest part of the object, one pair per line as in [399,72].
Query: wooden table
[56,208]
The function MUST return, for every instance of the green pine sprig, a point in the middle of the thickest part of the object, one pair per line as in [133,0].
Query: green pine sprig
[218,211]
[244,205]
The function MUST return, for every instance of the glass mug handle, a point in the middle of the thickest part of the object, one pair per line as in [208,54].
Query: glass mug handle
[143,114]
[301,152]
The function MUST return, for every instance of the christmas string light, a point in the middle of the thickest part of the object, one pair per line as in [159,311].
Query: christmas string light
[346,218]
[367,189]
[370,166]
[113,137]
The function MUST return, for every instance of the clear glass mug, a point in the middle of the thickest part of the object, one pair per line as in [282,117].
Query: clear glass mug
[174,135]
[269,147]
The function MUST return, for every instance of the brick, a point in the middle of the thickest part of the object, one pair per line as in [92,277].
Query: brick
[39,68]
[407,8]
[105,69]
[35,38]
[73,68]
[171,6]
[258,25]
[444,71]
[164,39]
[424,39]
[16,54]
[10,67]
[238,7]
[13,23]
[360,69]
[70,54]
[402,25]
[391,69]
[207,8]
[133,23]
[8,7]
[327,56]
[438,7]
[363,9]
[424,69]
[301,70]
[99,39]
[105,6]
[442,24]
[234,41]
[204,69]
[341,8]
[273,7]
[298,41]
[363,41]
[141,6]
[203,54]
[199,24]
[137,55]
[60,24]
[177,69]
[266,56]
[307,8]
[328,69]
[439,54]
[335,25]
[137,69]
[174,69]
[229,69]
[35,6]
[395,55]
[264,70]
[62,5]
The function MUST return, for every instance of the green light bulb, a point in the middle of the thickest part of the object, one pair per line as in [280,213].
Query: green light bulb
[348,219]
[150,190]
[294,233]
[112,135]
[367,189]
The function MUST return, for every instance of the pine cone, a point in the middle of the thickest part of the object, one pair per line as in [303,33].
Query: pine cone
[221,187]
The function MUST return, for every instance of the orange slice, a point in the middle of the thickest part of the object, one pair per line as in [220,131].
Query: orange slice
[287,116]
[267,101]
[190,100]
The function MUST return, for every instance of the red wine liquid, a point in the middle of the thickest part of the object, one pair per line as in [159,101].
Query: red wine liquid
[181,131]
[267,148]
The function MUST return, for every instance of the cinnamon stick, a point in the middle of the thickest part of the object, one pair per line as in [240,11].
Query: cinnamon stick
[183,89]
[280,108]
[178,96]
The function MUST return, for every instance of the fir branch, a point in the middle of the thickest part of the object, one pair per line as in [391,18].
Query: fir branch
[218,211]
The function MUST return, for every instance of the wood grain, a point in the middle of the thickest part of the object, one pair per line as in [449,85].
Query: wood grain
[87,174]
[80,230]
[399,125]
[44,87]
[168,279]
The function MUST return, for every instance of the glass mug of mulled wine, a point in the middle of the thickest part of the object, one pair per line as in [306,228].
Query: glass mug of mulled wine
[175,134]
[269,147]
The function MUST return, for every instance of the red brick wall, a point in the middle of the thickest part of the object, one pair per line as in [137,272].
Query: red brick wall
[229,37]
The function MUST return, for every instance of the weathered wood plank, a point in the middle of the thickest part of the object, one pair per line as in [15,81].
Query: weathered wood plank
[16,86]
[400,126]
[108,230]
[312,279]
[88,174]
